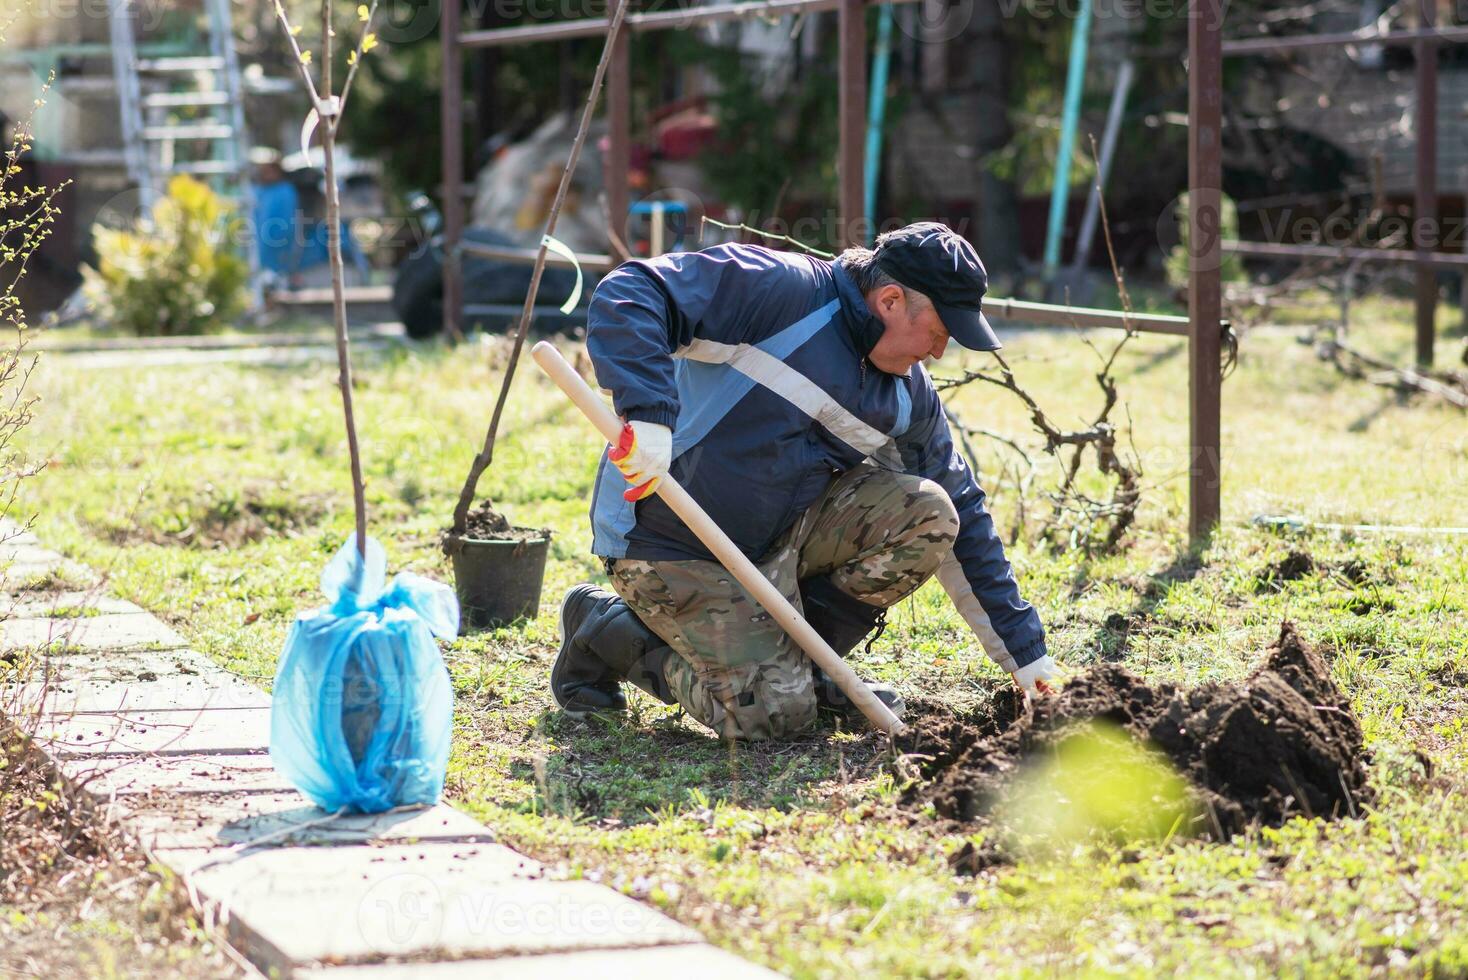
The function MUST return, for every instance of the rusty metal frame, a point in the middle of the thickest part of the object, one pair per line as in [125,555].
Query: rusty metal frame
[997,308]
[1022,311]
[1346,253]
[852,108]
[1278,45]
[1424,42]
[661,20]
[1203,326]
[451,127]
[1425,216]
[1205,268]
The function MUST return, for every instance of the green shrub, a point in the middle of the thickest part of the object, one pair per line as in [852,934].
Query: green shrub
[1232,269]
[175,271]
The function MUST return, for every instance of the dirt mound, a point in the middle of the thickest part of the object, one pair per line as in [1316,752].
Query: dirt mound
[1291,568]
[1284,741]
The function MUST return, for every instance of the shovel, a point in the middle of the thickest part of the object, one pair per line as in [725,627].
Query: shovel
[678,500]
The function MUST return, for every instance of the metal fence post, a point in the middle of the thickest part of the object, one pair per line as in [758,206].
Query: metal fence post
[451,111]
[1424,226]
[1205,293]
[850,168]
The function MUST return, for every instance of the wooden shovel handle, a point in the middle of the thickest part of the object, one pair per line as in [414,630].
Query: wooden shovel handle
[713,538]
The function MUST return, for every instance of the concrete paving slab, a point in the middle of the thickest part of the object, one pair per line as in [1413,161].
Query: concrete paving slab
[690,960]
[222,820]
[37,575]
[37,605]
[302,870]
[99,634]
[114,666]
[353,905]
[174,776]
[15,534]
[26,552]
[222,730]
[169,692]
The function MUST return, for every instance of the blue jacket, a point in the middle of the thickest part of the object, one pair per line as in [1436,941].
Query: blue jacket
[755,359]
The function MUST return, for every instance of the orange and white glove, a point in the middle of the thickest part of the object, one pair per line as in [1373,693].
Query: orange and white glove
[643,453]
[1035,678]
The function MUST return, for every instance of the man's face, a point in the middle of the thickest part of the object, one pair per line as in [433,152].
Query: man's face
[912,332]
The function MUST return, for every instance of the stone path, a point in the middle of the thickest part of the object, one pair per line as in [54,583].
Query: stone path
[58,341]
[259,348]
[176,748]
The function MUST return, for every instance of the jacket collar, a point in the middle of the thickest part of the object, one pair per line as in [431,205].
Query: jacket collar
[863,328]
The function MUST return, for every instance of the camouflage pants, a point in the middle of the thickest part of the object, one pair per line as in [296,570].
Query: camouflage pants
[878,535]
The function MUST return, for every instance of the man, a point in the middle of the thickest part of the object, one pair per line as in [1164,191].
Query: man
[788,396]
[277,219]
[289,242]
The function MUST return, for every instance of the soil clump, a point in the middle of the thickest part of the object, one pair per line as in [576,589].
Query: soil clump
[1291,568]
[484,523]
[1281,742]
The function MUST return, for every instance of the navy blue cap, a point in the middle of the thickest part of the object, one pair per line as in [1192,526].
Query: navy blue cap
[939,263]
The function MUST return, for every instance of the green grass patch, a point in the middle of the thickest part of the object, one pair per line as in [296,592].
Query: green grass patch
[215,494]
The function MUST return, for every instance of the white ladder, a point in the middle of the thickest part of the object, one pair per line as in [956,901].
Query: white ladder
[210,82]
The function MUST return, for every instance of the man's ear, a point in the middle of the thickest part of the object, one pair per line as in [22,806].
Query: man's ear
[889,296]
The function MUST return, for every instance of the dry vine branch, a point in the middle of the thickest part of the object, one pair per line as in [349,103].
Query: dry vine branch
[1101,435]
[1251,303]
[1077,519]
[1328,339]
[1358,364]
[768,235]
[1021,482]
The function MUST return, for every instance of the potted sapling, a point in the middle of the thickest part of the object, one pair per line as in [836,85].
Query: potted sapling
[498,567]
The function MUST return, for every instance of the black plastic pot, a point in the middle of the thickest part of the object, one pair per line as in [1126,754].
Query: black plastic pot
[497,582]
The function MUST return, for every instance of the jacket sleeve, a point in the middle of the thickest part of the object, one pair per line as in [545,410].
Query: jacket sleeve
[975,574]
[647,309]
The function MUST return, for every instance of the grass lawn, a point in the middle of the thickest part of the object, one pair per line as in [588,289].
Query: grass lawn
[214,495]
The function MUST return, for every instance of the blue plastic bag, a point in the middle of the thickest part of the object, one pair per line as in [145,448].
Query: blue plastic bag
[362,710]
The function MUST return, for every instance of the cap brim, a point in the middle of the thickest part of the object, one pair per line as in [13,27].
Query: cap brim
[969,327]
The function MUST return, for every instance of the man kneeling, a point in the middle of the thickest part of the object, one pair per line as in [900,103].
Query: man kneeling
[787,395]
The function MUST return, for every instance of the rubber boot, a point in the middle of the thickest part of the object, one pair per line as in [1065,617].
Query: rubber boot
[843,621]
[603,643]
